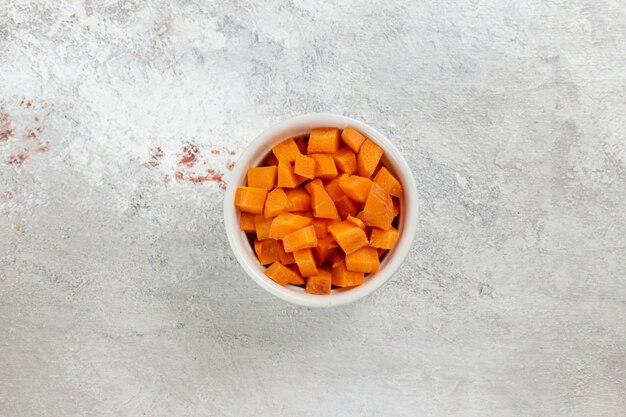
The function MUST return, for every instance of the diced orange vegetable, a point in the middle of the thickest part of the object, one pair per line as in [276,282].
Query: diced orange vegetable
[346,207]
[353,138]
[345,160]
[321,228]
[271,160]
[356,187]
[246,222]
[324,249]
[305,261]
[269,252]
[257,247]
[286,177]
[356,221]
[276,203]
[332,187]
[286,223]
[298,279]
[324,166]
[368,157]
[323,206]
[300,200]
[388,182]
[344,278]
[285,258]
[301,144]
[349,236]
[383,239]
[262,177]
[378,210]
[262,226]
[363,260]
[250,200]
[324,140]
[300,239]
[286,151]
[305,166]
[396,207]
[280,273]
[320,283]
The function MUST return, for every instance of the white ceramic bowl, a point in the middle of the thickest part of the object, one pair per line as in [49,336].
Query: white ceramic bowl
[256,152]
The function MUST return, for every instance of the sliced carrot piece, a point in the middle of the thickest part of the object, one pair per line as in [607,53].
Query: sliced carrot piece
[368,157]
[383,239]
[286,223]
[280,274]
[285,258]
[305,261]
[324,165]
[324,140]
[286,177]
[305,166]
[344,278]
[262,177]
[323,206]
[300,239]
[356,221]
[286,151]
[262,226]
[353,138]
[378,210]
[349,236]
[257,248]
[298,279]
[320,283]
[388,182]
[346,207]
[321,228]
[246,222]
[332,187]
[276,203]
[356,187]
[269,251]
[300,200]
[250,200]
[324,249]
[345,160]
[363,260]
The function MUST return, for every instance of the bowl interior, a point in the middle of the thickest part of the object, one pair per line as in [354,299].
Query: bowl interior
[256,153]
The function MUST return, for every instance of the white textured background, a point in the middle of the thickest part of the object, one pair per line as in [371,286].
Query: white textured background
[119,295]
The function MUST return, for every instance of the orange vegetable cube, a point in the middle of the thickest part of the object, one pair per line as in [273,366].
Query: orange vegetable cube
[300,239]
[286,151]
[378,210]
[363,260]
[324,249]
[332,187]
[306,263]
[268,251]
[300,200]
[356,221]
[388,182]
[286,177]
[280,274]
[262,177]
[349,236]
[323,206]
[344,278]
[346,207]
[368,157]
[262,226]
[250,200]
[298,279]
[324,165]
[357,188]
[353,138]
[321,228]
[324,140]
[383,239]
[276,203]
[285,258]
[320,283]
[286,223]
[246,222]
[345,160]
[305,166]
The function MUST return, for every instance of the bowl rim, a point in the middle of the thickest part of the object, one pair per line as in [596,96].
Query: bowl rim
[259,147]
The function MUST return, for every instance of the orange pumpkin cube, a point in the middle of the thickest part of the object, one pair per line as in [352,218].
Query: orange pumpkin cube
[268,251]
[286,177]
[332,187]
[353,138]
[345,160]
[388,182]
[378,210]
[305,166]
[262,177]
[356,187]
[262,226]
[368,157]
[323,140]
[363,260]
[250,199]
[349,236]
[300,200]
[324,166]
[280,274]
[344,278]
[305,261]
[300,239]
[276,203]
[383,239]
[298,279]
[286,223]
[320,283]
[324,249]
[323,206]
[286,151]
[246,222]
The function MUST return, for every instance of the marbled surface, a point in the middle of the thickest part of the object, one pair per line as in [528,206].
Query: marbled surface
[119,295]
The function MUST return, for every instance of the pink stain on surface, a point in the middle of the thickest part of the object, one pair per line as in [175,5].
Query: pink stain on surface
[7,130]
[11,193]
[189,156]
[155,157]
[18,159]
